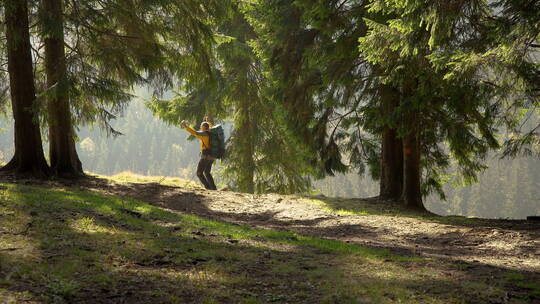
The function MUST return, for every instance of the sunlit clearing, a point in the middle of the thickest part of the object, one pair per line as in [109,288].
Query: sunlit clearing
[130,177]
[89,225]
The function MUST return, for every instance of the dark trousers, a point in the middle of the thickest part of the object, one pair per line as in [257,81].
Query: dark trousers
[203,172]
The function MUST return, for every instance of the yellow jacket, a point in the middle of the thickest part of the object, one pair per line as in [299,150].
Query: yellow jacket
[203,136]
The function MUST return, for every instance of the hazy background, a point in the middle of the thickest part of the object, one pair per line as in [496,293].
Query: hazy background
[508,189]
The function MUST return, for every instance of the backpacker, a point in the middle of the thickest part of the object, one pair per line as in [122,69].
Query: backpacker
[217,142]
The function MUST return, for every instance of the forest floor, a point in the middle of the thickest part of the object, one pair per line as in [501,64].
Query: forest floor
[128,238]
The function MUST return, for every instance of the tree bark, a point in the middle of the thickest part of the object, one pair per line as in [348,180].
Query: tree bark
[391,179]
[412,171]
[412,168]
[28,158]
[246,177]
[62,152]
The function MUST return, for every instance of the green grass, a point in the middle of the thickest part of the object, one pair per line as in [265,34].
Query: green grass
[67,245]
[520,280]
[130,177]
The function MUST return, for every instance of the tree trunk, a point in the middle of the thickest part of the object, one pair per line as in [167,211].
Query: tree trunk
[391,180]
[247,178]
[28,158]
[246,129]
[62,153]
[412,194]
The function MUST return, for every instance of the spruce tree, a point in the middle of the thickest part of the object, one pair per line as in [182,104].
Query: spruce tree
[63,156]
[112,46]
[261,155]
[342,102]
[312,61]
[29,158]
[339,103]
[500,49]
[432,107]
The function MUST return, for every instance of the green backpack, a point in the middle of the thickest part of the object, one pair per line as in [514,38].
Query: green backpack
[217,142]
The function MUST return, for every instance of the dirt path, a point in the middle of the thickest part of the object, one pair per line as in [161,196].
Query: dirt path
[499,243]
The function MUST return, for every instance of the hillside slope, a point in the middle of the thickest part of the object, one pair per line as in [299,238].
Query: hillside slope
[133,239]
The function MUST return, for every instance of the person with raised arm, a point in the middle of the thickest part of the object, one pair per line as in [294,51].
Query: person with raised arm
[204,167]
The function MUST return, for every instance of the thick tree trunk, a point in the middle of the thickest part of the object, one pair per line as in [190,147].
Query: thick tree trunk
[62,153]
[391,180]
[246,178]
[28,158]
[412,195]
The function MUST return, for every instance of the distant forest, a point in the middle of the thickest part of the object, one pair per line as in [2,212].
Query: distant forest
[147,145]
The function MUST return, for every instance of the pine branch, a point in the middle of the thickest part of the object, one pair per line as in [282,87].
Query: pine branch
[82,20]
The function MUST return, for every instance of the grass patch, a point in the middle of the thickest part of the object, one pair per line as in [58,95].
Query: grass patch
[67,245]
[130,177]
[522,281]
